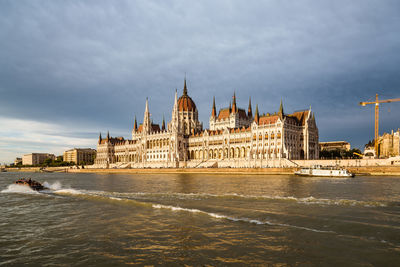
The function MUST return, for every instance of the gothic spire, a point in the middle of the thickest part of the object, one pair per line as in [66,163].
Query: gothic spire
[146,119]
[213,111]
[108,135]
[281,110]
[163,123]
[234,108]
[135,125]
[249,111]
[256,116]
[185,87]
[100,138]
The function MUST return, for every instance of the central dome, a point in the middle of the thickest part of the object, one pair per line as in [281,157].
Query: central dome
[185,103]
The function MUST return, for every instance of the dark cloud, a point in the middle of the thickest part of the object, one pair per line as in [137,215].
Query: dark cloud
[91,64]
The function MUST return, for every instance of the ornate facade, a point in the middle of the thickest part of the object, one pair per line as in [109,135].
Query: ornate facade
[236,138]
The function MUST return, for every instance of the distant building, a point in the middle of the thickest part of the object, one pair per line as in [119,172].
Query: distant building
[17,161]
[36,158]
[389,145]
[334,145]
[80,155]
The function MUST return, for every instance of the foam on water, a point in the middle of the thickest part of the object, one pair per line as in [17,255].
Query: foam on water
[234,219]
[55,186]
[305,200]
[69,191]
[22,189]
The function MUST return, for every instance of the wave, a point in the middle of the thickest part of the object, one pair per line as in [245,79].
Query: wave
[55,186]
[69,191]
[305,200]
[22,189]
[234,219]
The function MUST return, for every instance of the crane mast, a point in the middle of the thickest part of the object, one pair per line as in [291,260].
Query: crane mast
[377,102]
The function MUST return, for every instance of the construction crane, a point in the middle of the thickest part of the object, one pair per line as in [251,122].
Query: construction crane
[377,102]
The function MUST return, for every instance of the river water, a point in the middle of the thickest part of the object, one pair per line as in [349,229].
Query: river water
[199,219]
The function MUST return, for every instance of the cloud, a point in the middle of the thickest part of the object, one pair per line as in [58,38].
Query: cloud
[19,137]
[91,64]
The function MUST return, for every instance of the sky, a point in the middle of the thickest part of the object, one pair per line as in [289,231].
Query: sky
[72,69]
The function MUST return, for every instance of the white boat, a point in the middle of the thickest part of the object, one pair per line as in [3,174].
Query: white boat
[324,171]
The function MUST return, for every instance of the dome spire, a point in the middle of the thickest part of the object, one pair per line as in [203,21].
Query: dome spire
[184,87]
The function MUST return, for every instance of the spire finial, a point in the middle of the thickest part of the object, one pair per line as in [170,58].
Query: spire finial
[256,116]
[234,108]
[184,86]
[100,138]
[163,123]
[135,124]
[281,109]
[249,111]
[108,135]
[213,111]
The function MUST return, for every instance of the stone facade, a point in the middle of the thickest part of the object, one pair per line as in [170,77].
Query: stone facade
[335,145]
[80,155]
[236,138]
[36,158]
[389,145]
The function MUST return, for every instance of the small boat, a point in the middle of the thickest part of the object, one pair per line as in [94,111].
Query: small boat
[324,171]
[31,183]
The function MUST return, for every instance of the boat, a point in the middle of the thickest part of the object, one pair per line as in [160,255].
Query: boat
[324,171]
[31,183]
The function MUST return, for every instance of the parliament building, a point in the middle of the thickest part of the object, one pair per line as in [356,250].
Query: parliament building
[236,138]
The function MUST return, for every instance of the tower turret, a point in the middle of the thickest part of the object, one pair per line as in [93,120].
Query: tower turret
[234,108]
[249,111]
[146,119]
[135,125]
[213,111]
[256,116]
[281,110]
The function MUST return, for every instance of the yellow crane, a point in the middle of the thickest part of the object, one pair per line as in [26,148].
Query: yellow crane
[377,102]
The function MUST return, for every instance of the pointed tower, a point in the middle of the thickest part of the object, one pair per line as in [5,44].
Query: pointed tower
[163,124]
[146,119]
[135,125]
[234,108]
[256,116]
[249,111]
[100,138]
[184,87]
[175,114]
[108,136]
[280,113]
[213,111]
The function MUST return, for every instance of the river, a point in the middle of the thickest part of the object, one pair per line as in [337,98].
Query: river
[197,219]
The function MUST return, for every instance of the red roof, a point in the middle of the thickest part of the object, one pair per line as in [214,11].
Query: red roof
[185,103]
[223,114]
[267,119]
[300,116]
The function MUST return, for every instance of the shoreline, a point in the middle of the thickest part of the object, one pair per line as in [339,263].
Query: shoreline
[366,170]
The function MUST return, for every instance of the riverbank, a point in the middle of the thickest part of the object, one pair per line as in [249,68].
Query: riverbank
[366,170]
